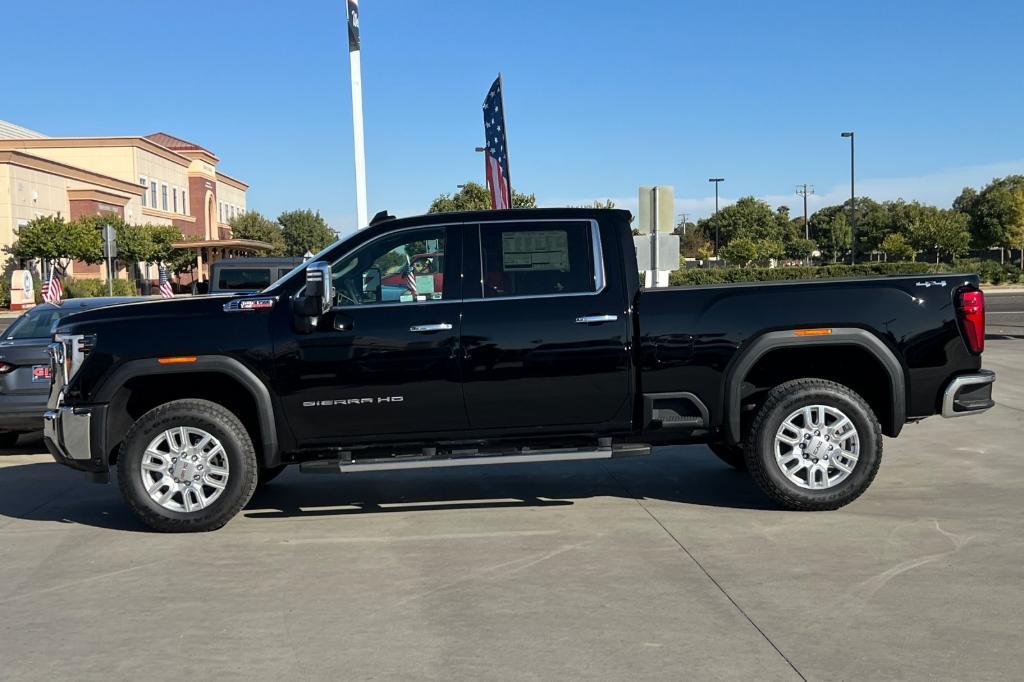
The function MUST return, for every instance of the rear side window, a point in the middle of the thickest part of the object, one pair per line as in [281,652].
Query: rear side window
[231,279]
[537,258]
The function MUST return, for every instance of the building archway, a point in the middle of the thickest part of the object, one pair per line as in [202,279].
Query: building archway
[211,217]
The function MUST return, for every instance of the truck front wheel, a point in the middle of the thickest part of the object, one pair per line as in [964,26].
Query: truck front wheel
[814,445]
[187,466]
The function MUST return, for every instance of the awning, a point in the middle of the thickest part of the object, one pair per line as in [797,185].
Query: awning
[244,244]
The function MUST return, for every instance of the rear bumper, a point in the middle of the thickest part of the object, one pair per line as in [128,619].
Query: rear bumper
[22,413]
[968,394]
[73,435]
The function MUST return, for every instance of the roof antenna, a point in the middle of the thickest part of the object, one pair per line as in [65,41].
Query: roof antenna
[380,218]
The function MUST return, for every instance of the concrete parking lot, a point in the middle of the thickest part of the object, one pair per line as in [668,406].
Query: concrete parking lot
[671,566]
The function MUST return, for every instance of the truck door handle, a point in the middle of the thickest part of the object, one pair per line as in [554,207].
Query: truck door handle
[596,319]
[424,328]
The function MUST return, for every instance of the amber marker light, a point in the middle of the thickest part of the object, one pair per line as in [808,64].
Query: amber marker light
[812,332]
[177,360]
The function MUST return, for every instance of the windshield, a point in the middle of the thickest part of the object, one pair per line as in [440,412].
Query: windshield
[301,266]
[244,279]
[39,323]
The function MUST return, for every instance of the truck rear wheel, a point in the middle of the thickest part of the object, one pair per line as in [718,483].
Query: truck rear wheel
[814,445]
[730,454]
[187,466]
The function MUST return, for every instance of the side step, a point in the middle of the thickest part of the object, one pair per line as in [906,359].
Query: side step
[459,458]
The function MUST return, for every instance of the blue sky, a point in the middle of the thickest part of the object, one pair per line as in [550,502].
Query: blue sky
[601,96]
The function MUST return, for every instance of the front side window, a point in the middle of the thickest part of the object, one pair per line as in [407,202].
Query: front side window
[537,258]
[405,267]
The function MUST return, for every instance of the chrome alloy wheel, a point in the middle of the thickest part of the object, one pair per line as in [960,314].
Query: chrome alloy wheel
[817,447]
[184,469]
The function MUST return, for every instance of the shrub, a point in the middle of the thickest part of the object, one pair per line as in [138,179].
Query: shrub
[697,276]
[89,288]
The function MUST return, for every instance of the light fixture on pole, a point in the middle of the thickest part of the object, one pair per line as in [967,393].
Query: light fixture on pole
[853,201]
[716,181]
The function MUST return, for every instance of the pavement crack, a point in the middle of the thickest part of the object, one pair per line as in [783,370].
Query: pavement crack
[705,571]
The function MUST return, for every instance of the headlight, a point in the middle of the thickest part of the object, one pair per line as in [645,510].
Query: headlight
[76,347]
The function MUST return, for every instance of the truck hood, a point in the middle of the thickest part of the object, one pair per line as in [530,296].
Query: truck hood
[179,308]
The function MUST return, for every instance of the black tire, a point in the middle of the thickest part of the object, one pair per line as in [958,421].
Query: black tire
[8,439]
[782,401]
[268,474]
[730,454]
[238,448]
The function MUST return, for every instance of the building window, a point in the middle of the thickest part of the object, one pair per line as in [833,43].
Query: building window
[184,203]
[163,196]
[152,193]
[144,183]
[174,195]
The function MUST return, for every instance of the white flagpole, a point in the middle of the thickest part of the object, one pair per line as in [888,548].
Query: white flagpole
[357,121]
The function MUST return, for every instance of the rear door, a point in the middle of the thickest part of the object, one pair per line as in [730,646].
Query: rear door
[545,338]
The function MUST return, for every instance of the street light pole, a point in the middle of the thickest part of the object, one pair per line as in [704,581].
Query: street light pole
[716,181]
[853,201]
[804,191]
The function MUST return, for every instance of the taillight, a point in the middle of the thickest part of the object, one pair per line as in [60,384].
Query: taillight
[971,311]
[5,367]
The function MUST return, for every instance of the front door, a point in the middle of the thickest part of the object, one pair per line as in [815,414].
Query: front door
[545,341]
[384,361]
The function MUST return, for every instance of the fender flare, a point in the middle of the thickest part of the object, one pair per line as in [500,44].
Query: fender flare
[849,336]
[204,363]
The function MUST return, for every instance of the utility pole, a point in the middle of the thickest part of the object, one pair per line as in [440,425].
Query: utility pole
[716,181]
[355,65]
[804,191]
[683,221]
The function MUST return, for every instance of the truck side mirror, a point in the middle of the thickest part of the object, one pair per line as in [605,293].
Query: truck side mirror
[318,296]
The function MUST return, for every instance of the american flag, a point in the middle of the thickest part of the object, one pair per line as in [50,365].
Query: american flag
[410,277]
[53,290]
[165,284]
[498,181]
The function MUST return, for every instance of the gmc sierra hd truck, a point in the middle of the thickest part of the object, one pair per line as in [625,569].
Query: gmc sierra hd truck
[530,341]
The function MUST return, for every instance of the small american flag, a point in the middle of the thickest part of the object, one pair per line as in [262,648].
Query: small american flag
[165,284]
[53,290]
[410,277]
[498,181]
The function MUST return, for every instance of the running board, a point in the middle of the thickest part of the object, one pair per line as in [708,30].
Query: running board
[463,458]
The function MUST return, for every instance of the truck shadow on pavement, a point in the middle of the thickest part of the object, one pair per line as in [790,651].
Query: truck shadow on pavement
[44,491]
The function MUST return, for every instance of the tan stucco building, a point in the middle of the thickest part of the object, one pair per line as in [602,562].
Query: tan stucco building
[157,179]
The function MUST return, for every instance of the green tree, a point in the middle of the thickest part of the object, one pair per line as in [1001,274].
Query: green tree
[800,248]
[751,219]
[51,239]
[162,237]
[473,196]
[897,246]
[304,230]
[742,250]
[928,228]
[254,225]
[830,229]
[694,244]
[996,213]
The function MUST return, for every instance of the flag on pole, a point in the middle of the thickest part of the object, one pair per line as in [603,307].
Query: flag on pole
[498,181]
[53,290]
[353,25]
[410,277]
[165,283]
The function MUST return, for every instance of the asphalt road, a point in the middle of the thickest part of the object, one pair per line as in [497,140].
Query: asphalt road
[666,567]
[1004,314]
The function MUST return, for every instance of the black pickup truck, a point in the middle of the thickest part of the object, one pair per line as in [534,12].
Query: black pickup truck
[504,336]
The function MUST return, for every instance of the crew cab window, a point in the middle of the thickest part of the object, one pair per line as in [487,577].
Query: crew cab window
[537,258]
[405,267]
[252,279]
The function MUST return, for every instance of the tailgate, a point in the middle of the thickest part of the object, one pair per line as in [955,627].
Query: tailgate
[24,368]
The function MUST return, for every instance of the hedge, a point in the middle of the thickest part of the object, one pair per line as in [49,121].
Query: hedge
[990,272]
[73,288]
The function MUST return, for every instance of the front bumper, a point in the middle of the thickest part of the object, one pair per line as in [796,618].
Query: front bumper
[968,394]
[74,435]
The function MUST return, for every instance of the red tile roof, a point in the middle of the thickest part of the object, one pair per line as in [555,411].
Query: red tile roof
[175,143]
